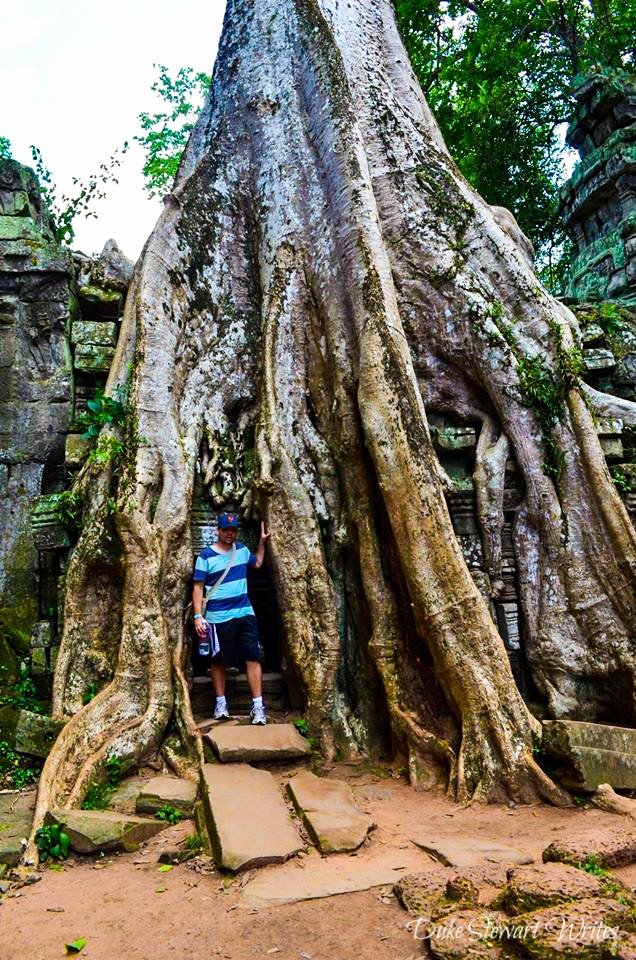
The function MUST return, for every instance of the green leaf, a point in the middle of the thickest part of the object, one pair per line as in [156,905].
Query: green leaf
[65,844]
[165,867]
[75,946]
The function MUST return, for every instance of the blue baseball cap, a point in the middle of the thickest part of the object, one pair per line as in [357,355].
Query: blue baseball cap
[227,520]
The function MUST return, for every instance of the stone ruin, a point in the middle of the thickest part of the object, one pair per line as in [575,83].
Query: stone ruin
[598,203]
[59,321]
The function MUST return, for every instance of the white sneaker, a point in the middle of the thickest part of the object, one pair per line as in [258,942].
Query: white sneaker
[257,716]
[221,712]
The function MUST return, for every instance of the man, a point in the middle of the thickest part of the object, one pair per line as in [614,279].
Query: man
[229,611]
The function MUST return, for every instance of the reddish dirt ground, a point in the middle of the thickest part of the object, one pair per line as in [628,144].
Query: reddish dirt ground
[126,908]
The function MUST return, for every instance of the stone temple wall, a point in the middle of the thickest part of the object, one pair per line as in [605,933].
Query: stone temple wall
[598,203]
[59,316]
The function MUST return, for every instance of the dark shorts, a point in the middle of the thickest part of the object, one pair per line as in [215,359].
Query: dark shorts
[239,641]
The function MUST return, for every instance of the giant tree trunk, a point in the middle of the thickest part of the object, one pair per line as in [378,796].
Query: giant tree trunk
[320,275]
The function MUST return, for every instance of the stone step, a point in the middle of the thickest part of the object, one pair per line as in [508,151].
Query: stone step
[559,736]
[246,817]
[593,767]
[167,791]
[238,693]
[244,743]
[329,813]
[594,753]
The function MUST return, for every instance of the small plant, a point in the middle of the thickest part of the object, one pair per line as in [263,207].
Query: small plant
[302,726]
[103,410]
[113,768]
[23,695]
[99,792]
[168,813]
[67,508]
[91,692]
[52,842]
[591,865]
[108,449]
[97,797]
[194,842]
[622,482]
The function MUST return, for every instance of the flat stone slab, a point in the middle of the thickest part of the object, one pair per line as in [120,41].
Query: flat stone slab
[456,852]
[318,877]
[329,813]
[93,830]
[172,791]
[562,735]
[548,884]
[125,796]
[248,821]
[248,744]
[614,848]
[16,817]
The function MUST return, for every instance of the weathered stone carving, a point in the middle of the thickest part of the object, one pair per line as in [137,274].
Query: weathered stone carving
[599,201]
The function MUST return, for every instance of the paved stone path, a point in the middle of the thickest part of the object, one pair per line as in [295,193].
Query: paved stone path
[247,818]
[329,813]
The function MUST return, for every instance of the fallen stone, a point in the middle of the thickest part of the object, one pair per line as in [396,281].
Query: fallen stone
[329,877]
[247,819]
[546,885]
[583,929]
[463,935]
[16,817]
[28,732]
[456,852]
[125,796]
[329,813]
[93,830]
[421,894]
[595,753]
[613,848]
[172,791]
[247,743]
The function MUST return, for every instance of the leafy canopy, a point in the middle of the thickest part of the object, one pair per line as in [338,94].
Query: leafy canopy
[499,75]
[166,133]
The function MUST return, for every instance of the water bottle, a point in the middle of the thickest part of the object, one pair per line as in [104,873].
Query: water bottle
[204,646]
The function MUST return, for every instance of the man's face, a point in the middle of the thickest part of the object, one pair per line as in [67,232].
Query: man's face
[228,535]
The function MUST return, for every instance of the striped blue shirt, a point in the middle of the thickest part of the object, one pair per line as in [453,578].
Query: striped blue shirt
[231,600]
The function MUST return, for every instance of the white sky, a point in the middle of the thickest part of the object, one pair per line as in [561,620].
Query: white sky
[75,74]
